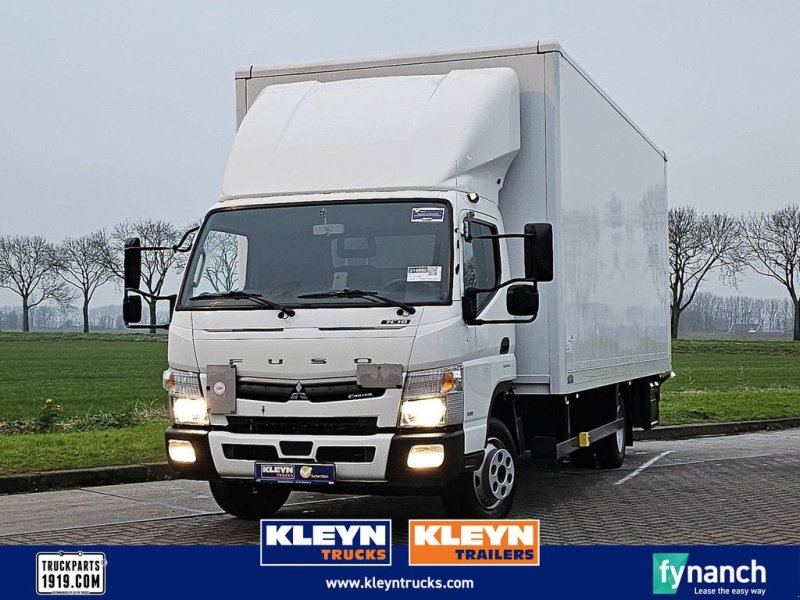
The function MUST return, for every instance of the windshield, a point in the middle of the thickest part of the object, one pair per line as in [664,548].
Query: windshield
[398,250]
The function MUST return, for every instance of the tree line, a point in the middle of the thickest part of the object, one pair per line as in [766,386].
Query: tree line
[41,272]
[767,243]
[710,313]
[38,271]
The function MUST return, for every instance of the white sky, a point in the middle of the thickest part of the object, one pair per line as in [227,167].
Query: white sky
[120,110]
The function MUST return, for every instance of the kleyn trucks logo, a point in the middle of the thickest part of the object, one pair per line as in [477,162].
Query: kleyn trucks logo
[301,543]
[670,571]
[468,542]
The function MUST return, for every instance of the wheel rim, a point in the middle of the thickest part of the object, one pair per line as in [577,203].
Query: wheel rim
[494,480]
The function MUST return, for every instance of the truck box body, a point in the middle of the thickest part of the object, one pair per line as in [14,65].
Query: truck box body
[582,166]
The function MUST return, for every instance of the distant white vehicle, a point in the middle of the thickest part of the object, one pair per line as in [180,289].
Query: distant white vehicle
[420,268]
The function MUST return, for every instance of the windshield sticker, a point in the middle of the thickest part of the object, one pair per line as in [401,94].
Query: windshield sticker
[427,215]
[424,274]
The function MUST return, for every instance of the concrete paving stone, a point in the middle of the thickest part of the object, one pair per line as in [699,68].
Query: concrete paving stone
[741,489]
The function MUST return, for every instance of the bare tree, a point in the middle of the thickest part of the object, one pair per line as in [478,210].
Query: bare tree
[83,265]
[155,265]
[222,263]
[29,268]
[773,241]
[698,244]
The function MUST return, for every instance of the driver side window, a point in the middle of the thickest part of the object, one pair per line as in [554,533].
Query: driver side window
[222,263]
[482,262]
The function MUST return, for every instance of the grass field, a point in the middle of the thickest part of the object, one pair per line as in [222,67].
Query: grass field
[98,372]
[732,381]
[723,380]
[56,451]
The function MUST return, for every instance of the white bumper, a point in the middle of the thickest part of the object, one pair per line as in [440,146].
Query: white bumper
[374,471]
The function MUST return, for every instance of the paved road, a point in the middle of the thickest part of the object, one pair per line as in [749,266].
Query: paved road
[741,489]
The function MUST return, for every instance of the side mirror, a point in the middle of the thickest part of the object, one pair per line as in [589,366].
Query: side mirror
[469,306]
[522,300]
[133,264]
[132,309]
[538,252]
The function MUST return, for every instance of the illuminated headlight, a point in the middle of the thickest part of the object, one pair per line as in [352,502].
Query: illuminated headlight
[182,383]
[432,398]
[189,411]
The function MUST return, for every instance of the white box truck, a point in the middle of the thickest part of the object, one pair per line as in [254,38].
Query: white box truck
[420,268]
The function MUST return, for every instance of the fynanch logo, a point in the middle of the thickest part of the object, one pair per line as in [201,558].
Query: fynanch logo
[671,570]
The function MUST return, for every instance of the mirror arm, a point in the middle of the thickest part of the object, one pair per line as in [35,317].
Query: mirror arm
[175,248]
[502,322]
[506,284]
[498,236]
[172,297]
[179,246]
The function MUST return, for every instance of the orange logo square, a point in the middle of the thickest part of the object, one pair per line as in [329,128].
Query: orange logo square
[473,542]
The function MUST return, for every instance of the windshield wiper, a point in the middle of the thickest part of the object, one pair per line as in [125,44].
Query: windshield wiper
[238,294]
[352,293]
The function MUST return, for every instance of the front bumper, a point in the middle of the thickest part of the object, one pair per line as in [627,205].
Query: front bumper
[387,467]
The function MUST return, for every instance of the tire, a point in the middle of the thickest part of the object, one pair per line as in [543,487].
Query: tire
[488,492]
[245,500]
[610,451]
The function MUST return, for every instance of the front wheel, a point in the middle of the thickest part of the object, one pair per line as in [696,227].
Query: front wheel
[245,500]
[488,492]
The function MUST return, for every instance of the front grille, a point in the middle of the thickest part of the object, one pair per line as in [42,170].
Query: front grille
[346,454]
[304,425]
[325,454]
[249,388]
[247,452]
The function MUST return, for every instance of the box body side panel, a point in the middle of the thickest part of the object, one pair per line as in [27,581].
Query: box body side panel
[613,208]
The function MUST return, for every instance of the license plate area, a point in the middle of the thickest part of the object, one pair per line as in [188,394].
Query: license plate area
[304,474]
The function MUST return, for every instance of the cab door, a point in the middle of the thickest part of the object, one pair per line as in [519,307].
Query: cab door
[484,264]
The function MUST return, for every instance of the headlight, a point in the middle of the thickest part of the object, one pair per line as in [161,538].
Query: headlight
[189,411]
[187,404]
[432,398]
[431,412]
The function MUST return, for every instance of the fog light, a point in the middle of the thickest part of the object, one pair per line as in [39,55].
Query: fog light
[181,451]
[425,456]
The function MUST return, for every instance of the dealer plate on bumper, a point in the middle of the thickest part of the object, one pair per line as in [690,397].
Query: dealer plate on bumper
[289,473]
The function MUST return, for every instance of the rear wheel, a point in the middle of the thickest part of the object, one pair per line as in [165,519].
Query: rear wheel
[488,492]
[610,451]
[245,500]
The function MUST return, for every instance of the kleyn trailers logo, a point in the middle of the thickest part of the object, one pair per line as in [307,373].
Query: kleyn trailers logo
[467,542]
[288,542]
[670,570]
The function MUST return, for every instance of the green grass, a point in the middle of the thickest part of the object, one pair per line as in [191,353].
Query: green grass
[55,451]
[717,380]
[98,372]
[728,380]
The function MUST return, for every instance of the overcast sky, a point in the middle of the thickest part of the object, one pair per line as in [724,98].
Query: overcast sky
[119,110]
